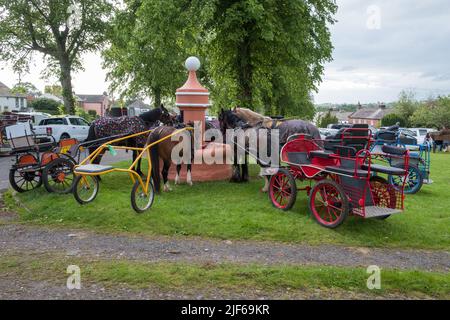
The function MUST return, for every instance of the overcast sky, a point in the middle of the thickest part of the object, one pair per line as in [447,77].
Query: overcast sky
[381,47]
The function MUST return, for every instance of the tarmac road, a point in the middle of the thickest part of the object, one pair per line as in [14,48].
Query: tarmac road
[6,162]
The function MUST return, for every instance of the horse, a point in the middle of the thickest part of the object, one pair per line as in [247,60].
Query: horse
[107,126]
[230,120]
[163,151]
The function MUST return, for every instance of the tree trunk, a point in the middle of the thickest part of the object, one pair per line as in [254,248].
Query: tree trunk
[157,97]
[66,84]
[245,75]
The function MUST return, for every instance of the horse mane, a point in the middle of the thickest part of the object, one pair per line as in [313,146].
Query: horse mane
[253,118]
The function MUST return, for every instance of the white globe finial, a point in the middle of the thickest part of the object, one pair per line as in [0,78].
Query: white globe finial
[192,64]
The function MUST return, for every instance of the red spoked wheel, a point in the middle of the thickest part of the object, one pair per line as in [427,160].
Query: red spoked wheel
[383,194]
[283,190]
[328,204]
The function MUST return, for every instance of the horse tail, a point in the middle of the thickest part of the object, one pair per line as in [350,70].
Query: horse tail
[154,158]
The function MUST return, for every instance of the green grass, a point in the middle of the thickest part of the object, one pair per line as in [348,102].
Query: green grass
[179,276]
[239,211]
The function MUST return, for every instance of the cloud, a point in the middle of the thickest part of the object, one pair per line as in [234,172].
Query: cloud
[407,49]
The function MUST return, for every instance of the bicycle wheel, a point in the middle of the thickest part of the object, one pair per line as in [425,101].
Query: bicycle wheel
[141,201]
[85,189]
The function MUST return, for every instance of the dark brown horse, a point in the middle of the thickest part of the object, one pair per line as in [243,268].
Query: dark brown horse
[231,120]
[108,126]
[163,150]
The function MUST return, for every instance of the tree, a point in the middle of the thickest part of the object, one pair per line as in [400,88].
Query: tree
[392,119]
[435,114]
[406,105]
[267,55]
[25,88]
[149,41]
[327,119]
[55,90]
[60,30]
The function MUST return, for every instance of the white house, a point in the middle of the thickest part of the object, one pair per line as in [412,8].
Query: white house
[11,101]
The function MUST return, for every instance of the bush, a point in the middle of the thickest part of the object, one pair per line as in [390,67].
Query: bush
[327,119]
[45,105]
[392,119]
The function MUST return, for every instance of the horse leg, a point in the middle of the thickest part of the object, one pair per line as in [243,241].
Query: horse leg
[189,175]
[177,177]
[137,167]
[236,176]
[165,174]
[245,177]
[266,184]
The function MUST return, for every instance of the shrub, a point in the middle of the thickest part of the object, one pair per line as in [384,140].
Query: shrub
[392,119]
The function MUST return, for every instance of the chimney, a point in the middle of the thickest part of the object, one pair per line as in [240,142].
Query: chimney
[359,106]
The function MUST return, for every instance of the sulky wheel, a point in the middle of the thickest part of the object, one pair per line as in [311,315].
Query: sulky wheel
[58,176]
[414,180]
[23,181]
[141,201]
[383,194]
[283,190]
[85,189]
[328,204]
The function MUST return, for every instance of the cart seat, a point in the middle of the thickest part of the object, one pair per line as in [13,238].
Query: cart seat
[347,171]
[393,171]
[298,157]
[92,168]
[320,154]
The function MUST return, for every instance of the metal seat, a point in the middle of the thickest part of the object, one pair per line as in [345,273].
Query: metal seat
[347,171]
[320,154]
[393,171]
[92,168]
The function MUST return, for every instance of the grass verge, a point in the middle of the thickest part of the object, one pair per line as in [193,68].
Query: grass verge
[239,211]
[228,277]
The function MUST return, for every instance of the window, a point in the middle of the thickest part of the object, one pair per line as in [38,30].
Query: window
[22,103]
[17,102]
[56,121]
[423,132]
[74,121]
[83,122]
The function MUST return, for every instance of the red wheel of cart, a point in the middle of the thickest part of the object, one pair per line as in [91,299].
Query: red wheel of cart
[383,194]
[283,190]
[328,204]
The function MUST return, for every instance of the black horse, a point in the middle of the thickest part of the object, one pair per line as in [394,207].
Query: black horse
[229,120]
[107,126]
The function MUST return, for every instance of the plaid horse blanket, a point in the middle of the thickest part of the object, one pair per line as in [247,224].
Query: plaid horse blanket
[106,127]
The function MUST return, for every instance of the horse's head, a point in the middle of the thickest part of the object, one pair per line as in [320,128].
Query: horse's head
[229,120]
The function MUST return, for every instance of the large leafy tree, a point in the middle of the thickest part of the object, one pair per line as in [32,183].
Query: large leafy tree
[268,55]
[149,41]
[61,30]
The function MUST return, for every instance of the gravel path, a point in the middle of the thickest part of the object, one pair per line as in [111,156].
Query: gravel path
[17,238]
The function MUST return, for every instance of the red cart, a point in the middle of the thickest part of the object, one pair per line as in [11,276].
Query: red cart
[342,182]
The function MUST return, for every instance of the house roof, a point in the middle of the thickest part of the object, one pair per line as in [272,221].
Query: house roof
[6,92]
[370,113]
[91,98]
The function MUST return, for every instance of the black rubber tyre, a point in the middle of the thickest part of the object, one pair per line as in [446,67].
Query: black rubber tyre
[327,198]
[282,190]
[389,196]
[79,190]
[137,196]
[58,176]
[64,136]
[24,181]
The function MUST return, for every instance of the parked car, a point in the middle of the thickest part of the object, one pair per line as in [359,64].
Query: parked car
[418,133]
[64,128]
